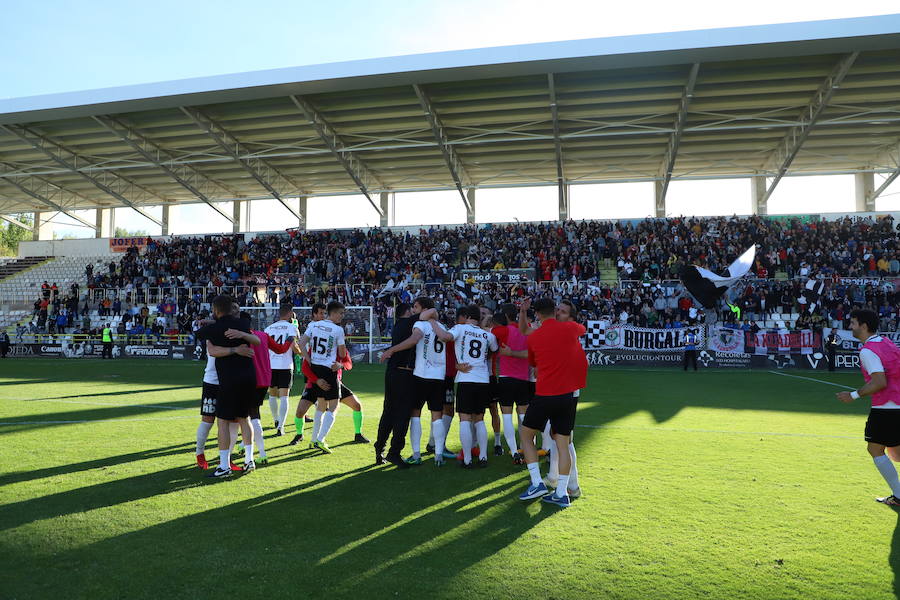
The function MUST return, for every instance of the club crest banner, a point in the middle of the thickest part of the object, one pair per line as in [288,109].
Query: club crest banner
[725,339]
[601,336]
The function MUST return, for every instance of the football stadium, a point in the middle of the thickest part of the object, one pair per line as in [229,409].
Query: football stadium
[658,404]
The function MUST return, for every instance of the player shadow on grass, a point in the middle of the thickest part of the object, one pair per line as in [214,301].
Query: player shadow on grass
[99,463]
[166,409]
[128,392]
[894,557]
[360,533]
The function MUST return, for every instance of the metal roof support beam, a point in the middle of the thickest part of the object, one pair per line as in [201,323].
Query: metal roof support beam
[186,176]
[668,163]
[16,222]
[790,145]
[470,214]
[45,192]
[107,181]
[562,188]
[884,185]
[355,168]
[451,158]
[265,175]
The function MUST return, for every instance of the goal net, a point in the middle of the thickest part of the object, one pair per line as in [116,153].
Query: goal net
[360,327]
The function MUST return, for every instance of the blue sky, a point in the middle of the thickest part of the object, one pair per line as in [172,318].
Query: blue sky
[60,45]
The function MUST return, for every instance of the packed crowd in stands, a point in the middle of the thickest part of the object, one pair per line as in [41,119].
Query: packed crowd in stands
[163,289]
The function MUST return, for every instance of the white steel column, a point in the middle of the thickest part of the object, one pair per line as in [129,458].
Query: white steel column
[470,214]
[758,199]
[865,188]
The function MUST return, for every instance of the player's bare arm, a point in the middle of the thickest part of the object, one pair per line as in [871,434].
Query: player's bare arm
[876,384]
[237,334]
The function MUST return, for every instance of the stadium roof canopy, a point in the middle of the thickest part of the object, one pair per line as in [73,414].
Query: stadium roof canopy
[801,98]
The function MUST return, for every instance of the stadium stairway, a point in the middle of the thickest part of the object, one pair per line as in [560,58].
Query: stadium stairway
[8,268]
[19,290]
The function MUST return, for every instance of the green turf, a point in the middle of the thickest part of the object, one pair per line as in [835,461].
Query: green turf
[712,485]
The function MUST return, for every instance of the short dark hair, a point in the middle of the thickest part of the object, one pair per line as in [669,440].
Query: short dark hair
[573,310]
[401,309]
[462,311]
[867,318]
[473,311]
[317,306]
[285,310]
[544,306]
[222,304]
[334,306]
[425,302]
[500,318]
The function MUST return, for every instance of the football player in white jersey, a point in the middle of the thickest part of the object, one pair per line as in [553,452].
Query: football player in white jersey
[322,344]
[473,346]
[282,366]
[428,381]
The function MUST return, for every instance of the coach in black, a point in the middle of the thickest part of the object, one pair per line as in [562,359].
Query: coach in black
[398,391]
[237,382]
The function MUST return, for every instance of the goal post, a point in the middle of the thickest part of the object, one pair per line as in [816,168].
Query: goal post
[360,326]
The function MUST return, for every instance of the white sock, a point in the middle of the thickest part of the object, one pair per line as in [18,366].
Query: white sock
[887,470]
[573,472]
[563,486]
[437,432]
[481,436]
[415,436]
[233,429]
[521,418]
[448,421]
[534,471]
[225,459]
[327,422]
[546,440]
[471,425]
[248,453]
[317,423]
[258,437]
[465,438]
[273,406]
[283,413]
[509,432]
[431,436]
[202,436]
[553,473]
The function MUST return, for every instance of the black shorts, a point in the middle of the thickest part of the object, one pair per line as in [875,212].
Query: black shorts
[282,378]
[330,377]
[261,394]
[450,394]
[883,426]
[345,391]
[432,392]
[208,399]
[559,410]
[494,389]
[472,398]
[514,391]
[235,400]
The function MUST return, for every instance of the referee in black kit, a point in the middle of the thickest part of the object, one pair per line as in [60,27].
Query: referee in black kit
[398,391]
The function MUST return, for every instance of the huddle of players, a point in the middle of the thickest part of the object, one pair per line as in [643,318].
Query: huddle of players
[236,379]
[493,364]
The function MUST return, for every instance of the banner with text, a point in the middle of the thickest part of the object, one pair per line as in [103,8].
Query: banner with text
[123,244]
[498,276]
[805,341]
[601,336]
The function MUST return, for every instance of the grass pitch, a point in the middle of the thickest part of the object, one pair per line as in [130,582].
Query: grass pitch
[710,485]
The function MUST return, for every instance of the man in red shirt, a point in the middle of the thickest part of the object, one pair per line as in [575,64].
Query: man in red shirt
[555,351]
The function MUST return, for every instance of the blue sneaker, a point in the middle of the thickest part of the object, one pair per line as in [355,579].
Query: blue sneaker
[534,491]
[560,501]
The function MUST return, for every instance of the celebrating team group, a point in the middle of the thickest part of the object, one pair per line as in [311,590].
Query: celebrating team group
[503,362]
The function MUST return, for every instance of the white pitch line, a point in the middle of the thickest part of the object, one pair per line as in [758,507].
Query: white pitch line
[719,431]
[846,387]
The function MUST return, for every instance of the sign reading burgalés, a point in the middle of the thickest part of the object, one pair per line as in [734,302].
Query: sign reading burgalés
[123,244]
